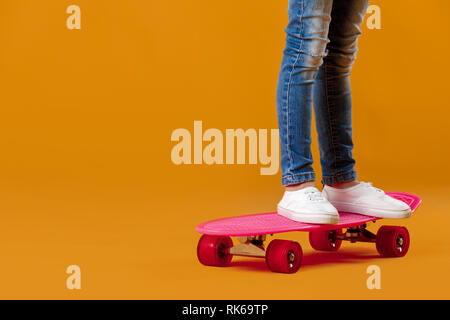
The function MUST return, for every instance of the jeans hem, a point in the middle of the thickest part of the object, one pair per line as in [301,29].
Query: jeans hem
[298,178]
[340,177]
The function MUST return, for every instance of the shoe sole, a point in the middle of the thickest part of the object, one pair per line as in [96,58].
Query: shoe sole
[373,212]
[308,217]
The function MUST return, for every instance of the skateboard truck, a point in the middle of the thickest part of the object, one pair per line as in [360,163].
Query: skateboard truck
[251,246]
[355,234]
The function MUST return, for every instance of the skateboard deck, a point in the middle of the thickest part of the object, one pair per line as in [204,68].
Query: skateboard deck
[216,248]
[271,222]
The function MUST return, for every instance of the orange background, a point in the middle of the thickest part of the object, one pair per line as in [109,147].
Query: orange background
[86,176]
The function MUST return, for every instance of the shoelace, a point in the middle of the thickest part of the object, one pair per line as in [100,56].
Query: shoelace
[369,185]
[315,196]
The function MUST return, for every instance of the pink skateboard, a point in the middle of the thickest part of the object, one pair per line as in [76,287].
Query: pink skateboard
[215,247]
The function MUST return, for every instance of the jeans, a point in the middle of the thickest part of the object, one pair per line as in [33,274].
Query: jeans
[321,46]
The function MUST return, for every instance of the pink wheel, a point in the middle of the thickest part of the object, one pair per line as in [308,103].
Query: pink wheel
[392,241]
[284,256]
[325,240]
[214,250]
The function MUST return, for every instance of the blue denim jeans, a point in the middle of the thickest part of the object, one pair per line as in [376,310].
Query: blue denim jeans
[321,46]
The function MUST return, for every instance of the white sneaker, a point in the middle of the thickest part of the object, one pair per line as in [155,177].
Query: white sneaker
[367,200]
[307,205]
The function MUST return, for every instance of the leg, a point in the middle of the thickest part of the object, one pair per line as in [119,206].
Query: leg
[306,41]
[332,92]
[332,105]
